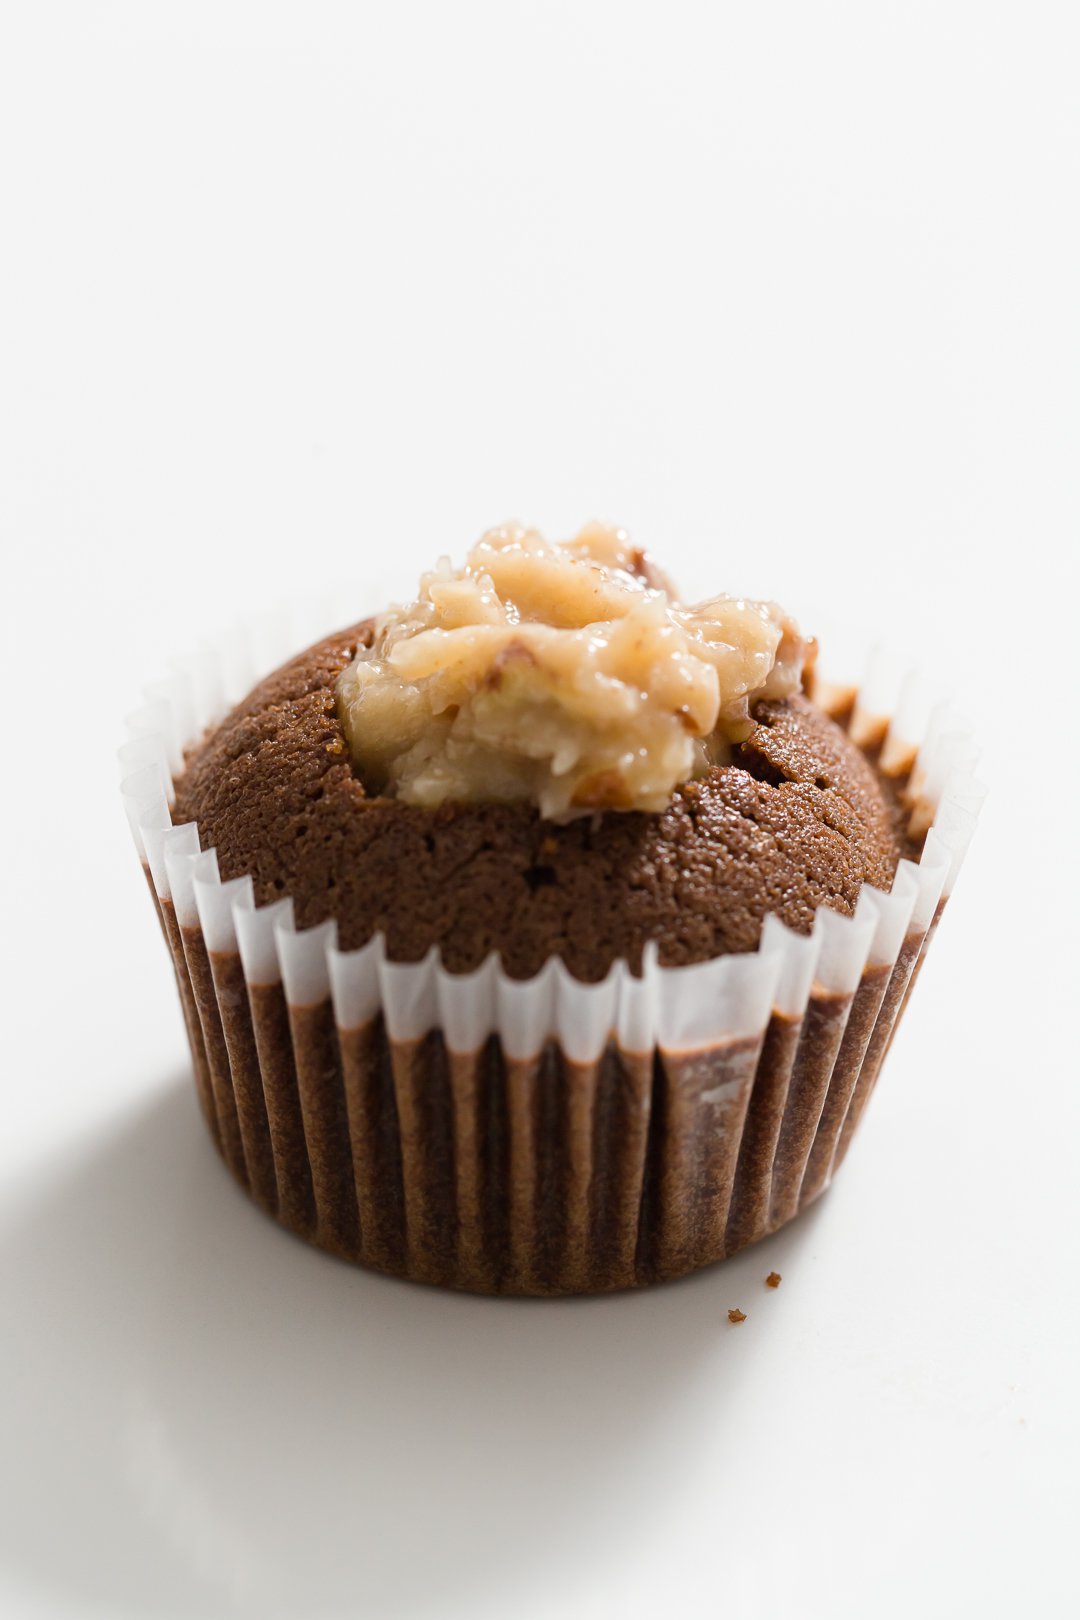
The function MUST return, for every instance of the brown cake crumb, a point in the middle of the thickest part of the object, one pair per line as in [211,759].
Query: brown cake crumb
[736,1316]
[773,1280]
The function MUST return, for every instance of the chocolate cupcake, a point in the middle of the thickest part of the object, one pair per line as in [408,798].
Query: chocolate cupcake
[545,935]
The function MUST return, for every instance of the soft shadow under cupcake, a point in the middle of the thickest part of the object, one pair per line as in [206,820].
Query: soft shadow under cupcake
[209,1417]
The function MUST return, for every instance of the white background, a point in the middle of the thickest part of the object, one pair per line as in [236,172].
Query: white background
[291,293]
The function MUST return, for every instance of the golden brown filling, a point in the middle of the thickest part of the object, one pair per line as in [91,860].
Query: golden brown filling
[567,675]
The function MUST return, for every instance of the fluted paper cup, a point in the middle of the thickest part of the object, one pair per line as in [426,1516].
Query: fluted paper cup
[542,1136]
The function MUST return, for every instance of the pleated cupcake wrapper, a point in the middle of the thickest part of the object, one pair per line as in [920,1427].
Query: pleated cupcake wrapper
[546,1136]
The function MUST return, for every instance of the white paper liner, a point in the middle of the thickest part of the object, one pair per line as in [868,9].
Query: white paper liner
[614,1134]
[674,1009]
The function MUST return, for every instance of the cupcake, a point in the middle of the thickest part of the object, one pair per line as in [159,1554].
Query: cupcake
[546,934]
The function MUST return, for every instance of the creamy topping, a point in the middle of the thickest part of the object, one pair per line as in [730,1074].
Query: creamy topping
[568,675]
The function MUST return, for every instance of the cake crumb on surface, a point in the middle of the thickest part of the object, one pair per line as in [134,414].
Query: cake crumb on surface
[736,1316]
[773,1280]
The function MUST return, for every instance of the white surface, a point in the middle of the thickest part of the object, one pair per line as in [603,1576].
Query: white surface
[790,291]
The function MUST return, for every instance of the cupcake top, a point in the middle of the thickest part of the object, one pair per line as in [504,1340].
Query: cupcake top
[547,754]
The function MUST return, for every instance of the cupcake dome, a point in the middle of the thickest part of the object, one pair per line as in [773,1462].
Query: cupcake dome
[799,819]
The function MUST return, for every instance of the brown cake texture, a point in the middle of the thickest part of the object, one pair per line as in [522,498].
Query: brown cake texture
[799,819]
